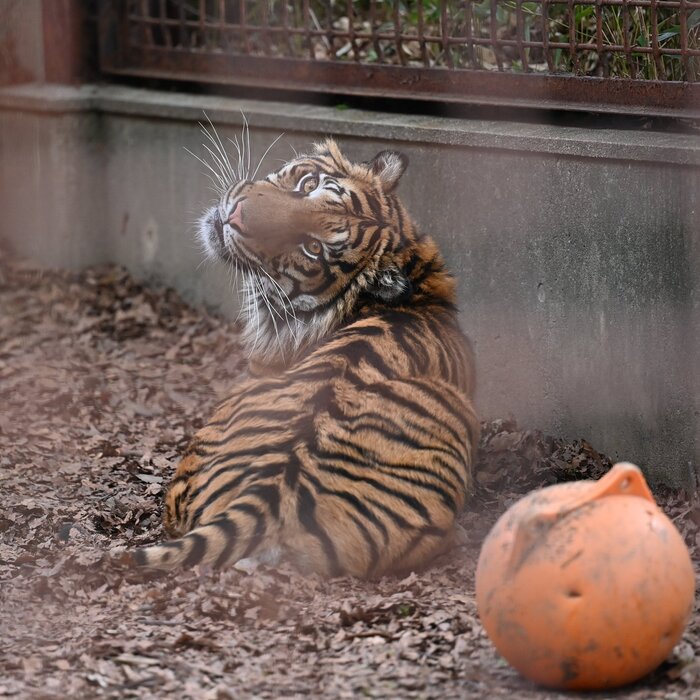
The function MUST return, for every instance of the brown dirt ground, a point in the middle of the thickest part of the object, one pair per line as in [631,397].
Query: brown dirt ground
[102,380]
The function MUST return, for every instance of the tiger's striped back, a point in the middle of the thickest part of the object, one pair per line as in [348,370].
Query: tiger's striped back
[351,450]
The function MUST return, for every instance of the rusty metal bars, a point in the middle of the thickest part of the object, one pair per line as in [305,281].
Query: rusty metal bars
[650,41]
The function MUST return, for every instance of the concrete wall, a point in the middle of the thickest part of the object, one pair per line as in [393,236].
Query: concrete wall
[577,251]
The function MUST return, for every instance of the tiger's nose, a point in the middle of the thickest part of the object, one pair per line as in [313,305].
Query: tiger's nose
[234,218]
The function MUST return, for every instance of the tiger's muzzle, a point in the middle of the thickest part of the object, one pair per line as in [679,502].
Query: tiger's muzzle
[270,218]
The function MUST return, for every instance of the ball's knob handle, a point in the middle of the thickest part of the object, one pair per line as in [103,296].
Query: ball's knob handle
[624,479]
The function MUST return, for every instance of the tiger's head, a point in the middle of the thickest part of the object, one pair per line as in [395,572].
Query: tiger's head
[319,243]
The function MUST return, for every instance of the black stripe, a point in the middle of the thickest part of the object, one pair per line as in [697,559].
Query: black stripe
[429,268]
[440,398]
[362,229]
[264,473]
[344,266]
[335,174]
[324,400]
[182,496]
[355,330]
[354,501]
[327,281]
[214,467]
[400,437]
[250,392]
[311,272]
[269,494]
[401,317]
[229,530]
[140,557]
[374,552]
[319,371]
[429,531]
[399,520]
[374,238]
[243,432]
[223,468]
[439,331]
[446,496]
[407,498]
[306,507]
[291,173]
[291,470]
[411,264]
[416,354]
[359,349]
[453,358]
[190,448]
[399,214]
[331,301]
[356,204]
[198,548]
[388,392]
[375,206]
[266,413]
[200,452]
[324,160]
[260,526]
[353,460]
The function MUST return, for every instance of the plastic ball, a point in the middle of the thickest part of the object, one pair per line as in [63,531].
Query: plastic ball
[585,585]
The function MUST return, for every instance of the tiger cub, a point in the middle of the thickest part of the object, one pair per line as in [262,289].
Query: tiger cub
[349,449]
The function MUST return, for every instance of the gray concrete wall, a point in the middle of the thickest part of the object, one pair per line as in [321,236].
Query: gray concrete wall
[577,251]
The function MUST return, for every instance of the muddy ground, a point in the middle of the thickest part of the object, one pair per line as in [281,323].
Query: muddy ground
[102,380]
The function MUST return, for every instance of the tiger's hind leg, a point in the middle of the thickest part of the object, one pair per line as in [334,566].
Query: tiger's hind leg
[425,553]
[327,535]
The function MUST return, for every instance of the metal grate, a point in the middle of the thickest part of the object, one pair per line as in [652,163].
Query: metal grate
[639,56]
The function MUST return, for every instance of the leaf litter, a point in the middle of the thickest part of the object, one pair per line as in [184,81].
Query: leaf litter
[102,381]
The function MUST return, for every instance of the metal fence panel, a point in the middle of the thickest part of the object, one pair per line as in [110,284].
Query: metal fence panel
[629,56]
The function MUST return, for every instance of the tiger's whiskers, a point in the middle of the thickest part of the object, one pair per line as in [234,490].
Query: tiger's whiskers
[266,301]
[267,150]
[215,176]
[226,166]
[254,289]
[287,305]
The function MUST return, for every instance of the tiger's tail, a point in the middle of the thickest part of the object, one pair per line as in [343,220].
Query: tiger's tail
[229,537]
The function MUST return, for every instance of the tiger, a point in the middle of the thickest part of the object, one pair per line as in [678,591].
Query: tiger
[348,447]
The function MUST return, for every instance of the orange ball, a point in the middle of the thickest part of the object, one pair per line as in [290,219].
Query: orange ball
[585,585]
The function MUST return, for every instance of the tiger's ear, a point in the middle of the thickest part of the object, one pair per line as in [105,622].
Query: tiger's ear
[391,284]
[389,166]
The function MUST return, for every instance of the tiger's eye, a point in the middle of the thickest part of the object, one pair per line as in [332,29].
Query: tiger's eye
[314,247]
[309,185]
